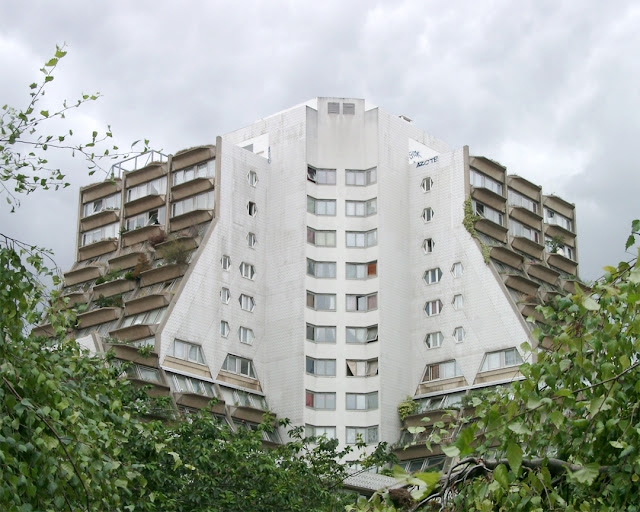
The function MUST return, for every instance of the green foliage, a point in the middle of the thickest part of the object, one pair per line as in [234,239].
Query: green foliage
[468,221]
[115,301]
[175,252]
[556,243]
[109,276]
[407,407]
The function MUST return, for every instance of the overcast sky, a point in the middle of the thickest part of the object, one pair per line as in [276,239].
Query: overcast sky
[550,89]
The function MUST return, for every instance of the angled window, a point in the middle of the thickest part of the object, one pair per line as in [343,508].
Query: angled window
[361,270]
[321,238]
[427,214]
[438,371]
[246,302]
[108,232]
[362,368]
[252,208]
[368,435]
[154,316]
[239,366]
[362,302]
[99,205]
[225,261]
[459,334]
[362,334]
[321,176]
[247,270]
[362,238]
[518,199]
[518,229]
[186,351]
[361,208]
[433,307]
[428,245]
[203,170]
[480,180]
[553,217]
[184,384]
[317,431]
[225,295]
[150,218]
[558,248]
[432,276]
[321,333]
[426,184]
[321,367]
[149,188]
[252,177]
[486,212]
[321,269]
[458,302]
[224,328]
[361,178]
[251,240]
[204,201]
[457,269]
[501,359]
[321,206]
[321,301]
[245,335]
[361,401]
[434,339]
[320,400]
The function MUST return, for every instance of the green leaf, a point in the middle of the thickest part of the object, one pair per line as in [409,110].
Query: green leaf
[501,475]
[514,456]
[590,304]
[519,428]
[51,62]
[630,241]
[586,475]
[44,113]
[635,226]
[451,450]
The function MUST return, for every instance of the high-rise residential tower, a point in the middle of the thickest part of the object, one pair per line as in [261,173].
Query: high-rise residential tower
[327,260]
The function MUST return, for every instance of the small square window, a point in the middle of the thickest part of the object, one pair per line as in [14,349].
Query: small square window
[246,302]
[428,245]
[251,240]
[253,178]
[427,214]
[426,185]
[433,308]
[434,339]
[225,261]
[458,302]
[224,328]
[225,295]
[459,334]
[457,269]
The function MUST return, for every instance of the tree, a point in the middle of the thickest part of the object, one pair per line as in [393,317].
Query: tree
[567,436]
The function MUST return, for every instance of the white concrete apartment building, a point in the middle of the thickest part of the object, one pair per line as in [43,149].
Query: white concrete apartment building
[316,263]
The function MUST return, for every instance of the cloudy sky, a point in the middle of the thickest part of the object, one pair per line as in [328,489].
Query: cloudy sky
[550,89]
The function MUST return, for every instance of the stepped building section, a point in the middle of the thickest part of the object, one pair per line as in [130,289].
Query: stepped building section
[328,260]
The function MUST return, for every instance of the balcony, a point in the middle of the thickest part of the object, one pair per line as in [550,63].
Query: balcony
[569,285]
[135,236]
[82,274]
[134,332]
[196,401]
[239,380]
[492,229]
[506,256]
[520,283]
[147,303]
[189,219]
[542,272]
[125,261]
[144,203]
[528,246]
[561,262]
[510,372]
[98,316]
[191,156]
[188,367]
[97,248]
[155,389]
[191,187]
[99,219]
[246,413]
[163,273]
[489,197]
[441,385]
[529,310]
[101,189]
[180,243]
[72,298]
[526,216]
[114,287]
[132,354]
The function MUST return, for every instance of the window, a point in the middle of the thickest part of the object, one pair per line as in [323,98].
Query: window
[357,368]
[432,276]
[434,339]
[153,187]
[321,206]
[320,400]
[433,308]
[203,170]
[361,208]
[459,334]
[349,108]
[321,238]
[315,431]
[150,218]
[225,261]
[110,231]
[368,435]
[362,270]
[186,351]
[224,328]
[225,295]
[486,212]
[558,248]
[321,333]
[251,240]
[147,373]
[245,335]
[458,302]
[246,302]
[362,401]
[321,176]
[427,214]
[252,177]
[362,334]
[362,238]
[239,365]
[154,316]
[518,229]
[428,245]
[321,367]
[517,199]
[457,269]
[501,359]
[553,217]
[333,107]
[252,208]
[99,205]
[427,464]
[321,269]
[480,180]
[361,178]
[247,270]
[243,398]
[362,302]
[426,184]
[321,301]
[184,384]
[200,202]
[446,370]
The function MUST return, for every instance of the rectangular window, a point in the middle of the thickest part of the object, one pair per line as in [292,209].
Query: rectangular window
[321,269]
[184,384]
[99,205]
[203,170]
[362,401]
[150,188]
[361,178]
[362,334]
[362,238]
[245,335]
[518,229]
[321,367]
[445,370]
[501,359]
[558,248]
[246,302]
[321,176]
[321,301]
[361,208]
[247,270]
[362,302]
[102,233]
[359,368]
[487,212]
[316,431]
[239,365]
[150,218]
[186,351]
[200,202]
[362,270]
[368,435]
[321,206]
[321,238]
[517,199]
[320,400]
[480,180]
[553,217]
[321,333]
[154,316]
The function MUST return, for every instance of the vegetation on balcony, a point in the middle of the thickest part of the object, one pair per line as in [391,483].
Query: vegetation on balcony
[407,407]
